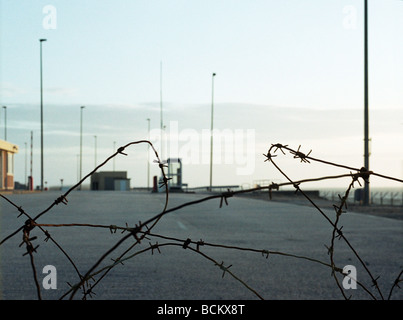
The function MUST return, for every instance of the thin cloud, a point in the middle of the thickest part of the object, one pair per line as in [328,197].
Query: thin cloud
[9,90]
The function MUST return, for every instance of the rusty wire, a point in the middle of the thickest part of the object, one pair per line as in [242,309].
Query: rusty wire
[143,230]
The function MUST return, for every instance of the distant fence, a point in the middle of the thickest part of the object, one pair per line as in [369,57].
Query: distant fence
[214,188]
[383,198]
[132,236]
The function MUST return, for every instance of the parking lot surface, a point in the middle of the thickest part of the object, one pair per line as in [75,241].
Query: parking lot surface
[287,241]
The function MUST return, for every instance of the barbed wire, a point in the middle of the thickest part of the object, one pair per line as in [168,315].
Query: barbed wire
[142,231]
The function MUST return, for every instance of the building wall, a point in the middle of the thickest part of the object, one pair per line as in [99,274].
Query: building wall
[106,180]
[7,173]
[7,152]
[3,173]
[9,182]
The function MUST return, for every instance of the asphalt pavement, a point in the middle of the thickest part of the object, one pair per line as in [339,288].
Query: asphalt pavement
[284,249]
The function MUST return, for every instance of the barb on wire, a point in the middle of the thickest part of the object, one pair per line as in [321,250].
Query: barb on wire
[299,155]
[225,196]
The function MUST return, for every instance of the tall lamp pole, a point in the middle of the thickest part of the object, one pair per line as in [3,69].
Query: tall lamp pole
[114,148]
[211,132]
[148,157]
[366,129]
[81,143]
[40,42]
[161,115]
[5,123]
[95,153]
[161,121]
[25,175]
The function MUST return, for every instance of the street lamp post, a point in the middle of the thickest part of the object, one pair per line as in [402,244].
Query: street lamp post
[30,181]
[78,166]
[114,148]
[161,115]
[95,154]
[40,43]
[25,173]
[5,123]
[211,132]
[161,121]
[366,129]
[148,157]
[81,142]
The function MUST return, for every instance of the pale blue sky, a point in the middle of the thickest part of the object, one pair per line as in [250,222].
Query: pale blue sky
[106,55]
